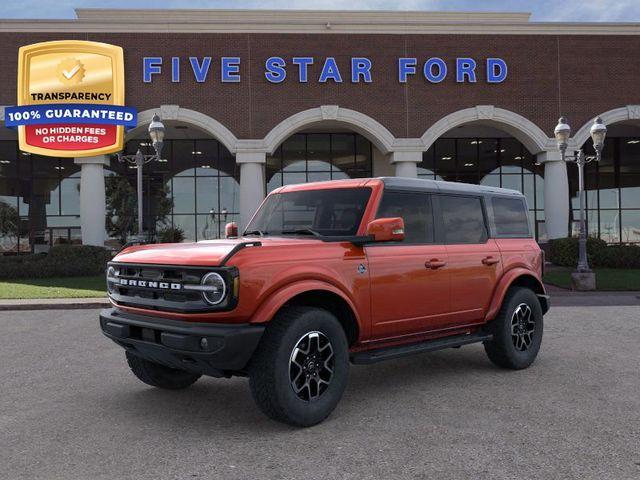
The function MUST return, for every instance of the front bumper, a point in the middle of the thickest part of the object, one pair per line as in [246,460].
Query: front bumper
[209,349]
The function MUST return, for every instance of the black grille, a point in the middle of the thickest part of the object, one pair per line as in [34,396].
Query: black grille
[166,299]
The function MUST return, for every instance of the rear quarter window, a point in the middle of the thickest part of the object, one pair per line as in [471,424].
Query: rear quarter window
[463,219]
[510,217]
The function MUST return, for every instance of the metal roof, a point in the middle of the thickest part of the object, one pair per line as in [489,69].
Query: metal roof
[445,187]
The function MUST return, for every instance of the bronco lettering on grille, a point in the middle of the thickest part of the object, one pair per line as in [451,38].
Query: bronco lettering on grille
[150,284]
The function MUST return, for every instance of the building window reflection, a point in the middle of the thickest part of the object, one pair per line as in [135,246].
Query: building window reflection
[39,200]
[200,180]
[313,157]
[497,162]
[612,191]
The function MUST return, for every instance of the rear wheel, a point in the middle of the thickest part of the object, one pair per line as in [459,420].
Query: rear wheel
[517,330]
[299,371]
[158,375]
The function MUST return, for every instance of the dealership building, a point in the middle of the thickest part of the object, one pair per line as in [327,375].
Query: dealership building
[253,100]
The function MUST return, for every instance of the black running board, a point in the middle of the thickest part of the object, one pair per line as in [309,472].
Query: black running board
[390,353]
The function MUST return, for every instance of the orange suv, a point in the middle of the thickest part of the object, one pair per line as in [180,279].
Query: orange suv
[330,273]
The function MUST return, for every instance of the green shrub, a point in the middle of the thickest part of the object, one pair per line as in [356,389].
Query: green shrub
[171,235]
[61,261]
[564,252]
[618,256]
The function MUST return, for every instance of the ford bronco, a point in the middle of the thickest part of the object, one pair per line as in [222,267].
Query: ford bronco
[330,273]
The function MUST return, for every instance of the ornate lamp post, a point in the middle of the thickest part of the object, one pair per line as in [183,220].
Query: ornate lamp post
[156,133]
[583,278]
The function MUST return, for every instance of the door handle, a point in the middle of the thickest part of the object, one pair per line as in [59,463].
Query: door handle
[490,260]
[434,264]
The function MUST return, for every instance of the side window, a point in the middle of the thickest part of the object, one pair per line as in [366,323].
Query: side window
[415,210]
[510,217]
[463,219]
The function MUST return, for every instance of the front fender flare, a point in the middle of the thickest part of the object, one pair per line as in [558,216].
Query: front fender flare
[506,281]
[277,299]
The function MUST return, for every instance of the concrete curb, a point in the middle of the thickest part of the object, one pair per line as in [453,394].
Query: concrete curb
[559,298]
[53,304]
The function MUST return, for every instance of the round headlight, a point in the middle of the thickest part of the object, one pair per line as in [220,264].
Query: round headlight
[111,273]
[215,288]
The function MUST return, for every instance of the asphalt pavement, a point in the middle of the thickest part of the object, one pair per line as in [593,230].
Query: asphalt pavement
[70,409]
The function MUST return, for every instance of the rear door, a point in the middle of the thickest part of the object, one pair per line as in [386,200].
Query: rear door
[474,260]
[409,279]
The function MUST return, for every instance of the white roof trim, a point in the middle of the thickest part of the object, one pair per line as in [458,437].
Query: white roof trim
[311,21]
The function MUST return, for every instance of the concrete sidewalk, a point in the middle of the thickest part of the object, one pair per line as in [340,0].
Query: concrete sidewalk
[53,303]
[561,297]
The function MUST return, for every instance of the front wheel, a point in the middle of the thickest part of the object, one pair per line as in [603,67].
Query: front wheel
[299,370]
[517,330]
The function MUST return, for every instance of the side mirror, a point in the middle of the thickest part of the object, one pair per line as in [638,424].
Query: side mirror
[231,230]
[386,229]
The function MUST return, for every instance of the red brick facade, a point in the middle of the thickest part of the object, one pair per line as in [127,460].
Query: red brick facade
[578,76]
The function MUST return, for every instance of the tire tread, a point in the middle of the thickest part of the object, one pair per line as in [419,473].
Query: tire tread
[497,350]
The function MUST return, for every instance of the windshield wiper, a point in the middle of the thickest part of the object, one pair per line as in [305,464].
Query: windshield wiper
[254,232]
[301,231]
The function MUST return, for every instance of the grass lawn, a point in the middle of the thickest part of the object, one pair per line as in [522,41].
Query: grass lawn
[606,278]
[71,287]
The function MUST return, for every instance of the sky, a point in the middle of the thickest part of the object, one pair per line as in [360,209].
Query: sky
[542,10]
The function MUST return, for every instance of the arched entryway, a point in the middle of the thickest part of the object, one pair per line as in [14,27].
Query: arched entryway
[495,147]
[489,156]
[613,184]
[193,189]
[326,143]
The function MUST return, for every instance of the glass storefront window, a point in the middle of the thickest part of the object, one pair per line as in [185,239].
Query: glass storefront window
[630,223]
[445,158]
[70,196]
[630,190]
[496,162]
[315,157]
[612,190]
[206,195]
[318,152]
[189,189]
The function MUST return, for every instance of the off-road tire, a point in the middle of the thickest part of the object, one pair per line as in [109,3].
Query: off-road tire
[269,369]
[158,375]
[502,350]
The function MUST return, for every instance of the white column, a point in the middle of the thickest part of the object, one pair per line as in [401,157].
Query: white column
[252,184]
[406,163]
[93,208]
[556,194]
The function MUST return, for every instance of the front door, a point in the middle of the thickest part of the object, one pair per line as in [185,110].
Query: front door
[409,279]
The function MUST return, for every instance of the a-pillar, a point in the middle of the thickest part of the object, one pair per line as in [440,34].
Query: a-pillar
[93,208]
[406,163]
[252,184]
[556,194]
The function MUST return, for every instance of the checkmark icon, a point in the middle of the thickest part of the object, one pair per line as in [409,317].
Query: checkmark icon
[71,73]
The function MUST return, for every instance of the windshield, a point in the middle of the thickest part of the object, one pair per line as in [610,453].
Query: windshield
[326,212]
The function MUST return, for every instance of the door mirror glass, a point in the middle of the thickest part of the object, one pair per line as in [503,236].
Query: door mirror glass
[231,230]
[386,229]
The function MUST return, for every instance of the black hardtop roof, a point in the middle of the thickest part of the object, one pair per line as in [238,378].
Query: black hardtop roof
[445,187]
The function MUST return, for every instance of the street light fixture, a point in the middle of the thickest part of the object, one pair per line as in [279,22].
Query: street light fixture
[156,133]
[598,132]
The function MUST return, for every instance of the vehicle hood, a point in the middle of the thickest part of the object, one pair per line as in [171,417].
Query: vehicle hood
[210,253]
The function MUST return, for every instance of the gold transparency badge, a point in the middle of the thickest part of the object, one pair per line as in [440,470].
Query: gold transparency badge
[71,99]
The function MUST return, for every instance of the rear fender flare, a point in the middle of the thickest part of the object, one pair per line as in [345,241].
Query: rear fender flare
[507,280]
